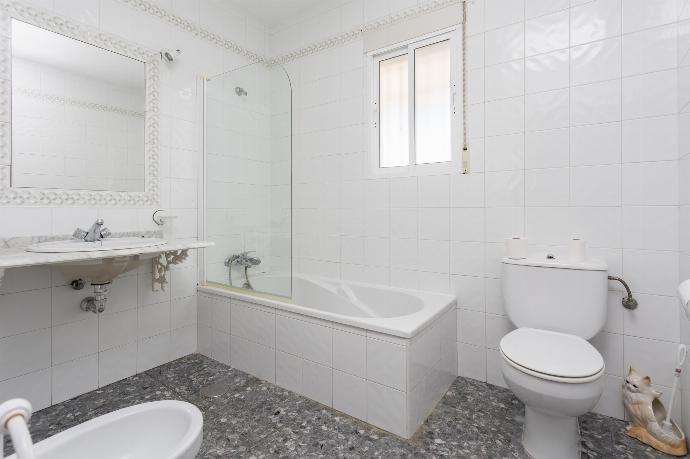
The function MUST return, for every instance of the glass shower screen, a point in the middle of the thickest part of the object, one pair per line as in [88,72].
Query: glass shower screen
[248,148]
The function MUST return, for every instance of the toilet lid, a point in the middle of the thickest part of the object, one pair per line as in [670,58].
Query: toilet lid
[552,353]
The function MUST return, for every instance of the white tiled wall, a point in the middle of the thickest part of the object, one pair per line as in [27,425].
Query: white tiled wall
[49,349]
[390,382]
[573,124]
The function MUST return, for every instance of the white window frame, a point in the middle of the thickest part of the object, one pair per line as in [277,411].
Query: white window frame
[408,48]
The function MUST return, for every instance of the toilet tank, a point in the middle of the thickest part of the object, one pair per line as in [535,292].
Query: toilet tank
[550,294]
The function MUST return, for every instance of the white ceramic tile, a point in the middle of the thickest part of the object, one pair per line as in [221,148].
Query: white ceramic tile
[595,103]
[496,328]
[656,318]
[434,224]
[594,21]
[386,363]
[610,345]
[116,364]
[651,227]
[547,33]
[547,187]
[75,340]
[153,352]
[494,375]
[535,8]
[472,362]
[505,116]
[434,191]
[471,327]
[117,329]
[252,358]
[34,387]
[546,72]
[642,14]
[547,148]
[504,44]
[467,258]
[467,224]
[25,353]
[253,324]
[651,271]
[505,80]
[220,347]
[24,311]
[350,394]
[504,188]
[499,13]
[317,382]
[467,190]
[650,50]
[349,352]
[304,339]
[650,139]
[651,358]
[650,183]
[652,94]
[74,378]
[597,61]
[153,319]
[386,407]
[610,403]
[595,144]
[595,186]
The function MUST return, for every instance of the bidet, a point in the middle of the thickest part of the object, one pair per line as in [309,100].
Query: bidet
[173,430]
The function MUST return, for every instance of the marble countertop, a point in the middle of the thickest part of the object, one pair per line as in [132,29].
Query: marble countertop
[19,257]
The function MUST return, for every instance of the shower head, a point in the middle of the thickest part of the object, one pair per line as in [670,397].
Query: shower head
[169,55]
[240,91]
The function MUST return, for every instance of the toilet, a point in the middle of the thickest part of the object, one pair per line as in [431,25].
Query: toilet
[556,305]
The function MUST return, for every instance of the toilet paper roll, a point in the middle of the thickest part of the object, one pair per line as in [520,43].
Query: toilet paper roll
[684,297]
[516,248]
[577,249]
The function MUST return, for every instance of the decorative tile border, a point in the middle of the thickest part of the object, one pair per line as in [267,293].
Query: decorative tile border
[356,33]
[189,26]
[31,197]
[337,40]
[55,99]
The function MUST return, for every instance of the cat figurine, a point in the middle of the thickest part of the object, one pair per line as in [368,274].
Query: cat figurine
[646,413]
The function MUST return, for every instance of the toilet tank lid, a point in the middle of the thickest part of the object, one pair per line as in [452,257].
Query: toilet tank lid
[562,263]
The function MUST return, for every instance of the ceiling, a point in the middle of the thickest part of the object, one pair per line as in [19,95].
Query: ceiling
[273,12]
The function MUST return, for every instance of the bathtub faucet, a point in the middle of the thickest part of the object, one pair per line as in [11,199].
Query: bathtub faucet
[242,259]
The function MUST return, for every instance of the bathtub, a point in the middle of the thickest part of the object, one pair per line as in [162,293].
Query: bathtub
[380,354]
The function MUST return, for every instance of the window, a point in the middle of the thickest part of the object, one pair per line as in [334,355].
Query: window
[415,116]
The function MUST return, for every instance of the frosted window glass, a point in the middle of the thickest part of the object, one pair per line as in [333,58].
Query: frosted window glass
[393,112]
[432,103]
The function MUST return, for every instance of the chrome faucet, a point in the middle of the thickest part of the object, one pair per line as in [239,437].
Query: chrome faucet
[95,233]
[242,259]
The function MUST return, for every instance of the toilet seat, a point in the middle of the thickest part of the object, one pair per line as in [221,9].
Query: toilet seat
[552,355]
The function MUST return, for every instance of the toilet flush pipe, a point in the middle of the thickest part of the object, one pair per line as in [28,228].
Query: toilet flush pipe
[14,414]
[628,302]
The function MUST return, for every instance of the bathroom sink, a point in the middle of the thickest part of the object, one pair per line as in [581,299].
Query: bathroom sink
[76,245]
[167,429]
[103,270]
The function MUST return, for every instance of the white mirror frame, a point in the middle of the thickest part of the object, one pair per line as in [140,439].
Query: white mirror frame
[9,196]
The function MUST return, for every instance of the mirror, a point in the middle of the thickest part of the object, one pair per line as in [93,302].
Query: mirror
[78,114]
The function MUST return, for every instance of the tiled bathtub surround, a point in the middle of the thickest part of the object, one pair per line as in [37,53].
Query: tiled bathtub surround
[390,382]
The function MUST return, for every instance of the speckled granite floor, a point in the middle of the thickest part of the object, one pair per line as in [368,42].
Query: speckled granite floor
[258,419]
